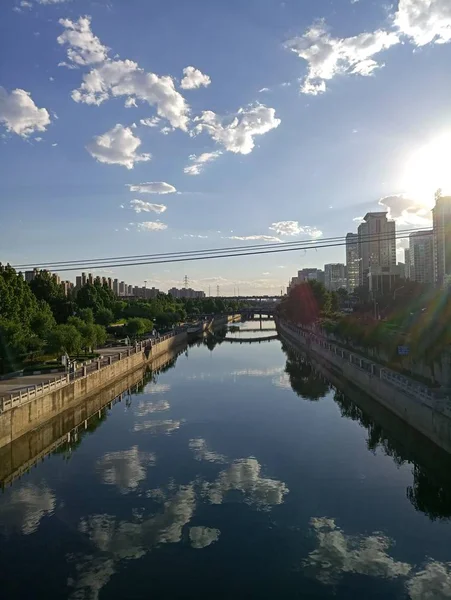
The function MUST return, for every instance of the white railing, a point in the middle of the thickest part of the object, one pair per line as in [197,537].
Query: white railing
[30,393]
[407,385]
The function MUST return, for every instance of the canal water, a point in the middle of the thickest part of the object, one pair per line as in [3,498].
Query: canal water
[238,472]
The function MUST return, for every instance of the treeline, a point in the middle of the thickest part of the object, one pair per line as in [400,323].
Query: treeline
[37,319]
[307,302]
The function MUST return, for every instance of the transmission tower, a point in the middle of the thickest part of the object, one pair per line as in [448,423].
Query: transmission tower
[217,291]
[186,281]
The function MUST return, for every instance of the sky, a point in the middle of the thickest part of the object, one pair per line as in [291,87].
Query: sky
[153,126]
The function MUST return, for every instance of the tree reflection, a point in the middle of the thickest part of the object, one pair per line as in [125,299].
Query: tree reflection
[430,492]
[213,339]
[429,496]
[305,381]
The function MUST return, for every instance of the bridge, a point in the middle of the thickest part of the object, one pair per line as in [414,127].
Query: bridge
[250,340]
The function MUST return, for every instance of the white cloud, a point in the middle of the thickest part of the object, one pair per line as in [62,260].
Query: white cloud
[125,78]
[264,89]
[125,469]
[52,1]
[152,187]
[130,103]
[201,452]
[327,56]
[84,47]
[244,476]
[293,228]
[117,146]
[157,388]
[406,211]
[338,553]
[152,122]
[425,21]
[237,133]
[246,238]
[199,162]
[193,78]
[166,130]
[25,508]
[141,206]
[20,114]
[152,226]
[201,537]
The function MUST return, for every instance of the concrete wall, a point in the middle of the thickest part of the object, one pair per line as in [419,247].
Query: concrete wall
[432,420]
[19,456]
[30,415]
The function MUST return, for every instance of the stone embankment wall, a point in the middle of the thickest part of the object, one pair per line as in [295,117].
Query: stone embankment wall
[414,404]
[28,415]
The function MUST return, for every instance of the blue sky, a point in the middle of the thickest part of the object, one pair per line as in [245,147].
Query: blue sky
[142,127]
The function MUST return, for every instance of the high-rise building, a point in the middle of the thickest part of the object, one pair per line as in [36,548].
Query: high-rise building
[122,288]
[334,276]
[110,283]
[78,283]
[441,217]
[116,287]
[422,256]
[90,278]
[352,261]
[30,275]
[84,279]
[377,245]
[407,263]
[129,290]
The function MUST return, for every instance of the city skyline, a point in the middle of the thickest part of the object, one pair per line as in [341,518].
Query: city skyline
[129,134]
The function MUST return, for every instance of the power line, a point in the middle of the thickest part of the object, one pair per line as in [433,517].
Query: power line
[192,254]
[279,249]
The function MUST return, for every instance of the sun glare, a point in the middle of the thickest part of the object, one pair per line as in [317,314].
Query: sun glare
[428,169]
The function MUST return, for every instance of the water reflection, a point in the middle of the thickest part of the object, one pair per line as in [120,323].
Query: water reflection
[28,504]
[337,554]
[201,452]
[244,476]
[125,469]
[304,379]
[201,537]
[158,427]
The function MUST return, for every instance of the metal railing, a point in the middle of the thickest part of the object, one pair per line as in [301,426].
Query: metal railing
[27,394]
[407,385]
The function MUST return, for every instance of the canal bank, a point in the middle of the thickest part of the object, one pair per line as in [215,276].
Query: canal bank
[27,411]
[415,404]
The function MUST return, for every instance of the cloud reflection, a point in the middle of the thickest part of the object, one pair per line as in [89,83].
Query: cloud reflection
[24,508]
[201,452]
[157,388]
[158,427]
[125,469]
[338,553]
[244,476]
[146,408]
[201,537]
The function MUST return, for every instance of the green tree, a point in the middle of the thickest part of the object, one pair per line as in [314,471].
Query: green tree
[86,315]
[65,339]
[105,316]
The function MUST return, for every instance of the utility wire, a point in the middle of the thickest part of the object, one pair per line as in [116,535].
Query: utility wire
[210,256]
[230,251]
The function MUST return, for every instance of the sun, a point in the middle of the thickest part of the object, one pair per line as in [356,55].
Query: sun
[428,169]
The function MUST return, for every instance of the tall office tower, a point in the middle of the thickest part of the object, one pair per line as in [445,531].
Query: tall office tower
[377,245]
[441,218]
[352,261]
[422,256]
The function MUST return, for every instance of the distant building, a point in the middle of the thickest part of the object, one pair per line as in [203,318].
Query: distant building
[129,290]
[186,293]
[121,289]
[401,270]
[90,279]
[383,280]
[441,217]
[116,287]
[78,283]
[407,263]
[310,274]
[422,256]
[110,283]
[334,276]
[30,275]
[84,279]
[67,286]
[377,244]
[352,261]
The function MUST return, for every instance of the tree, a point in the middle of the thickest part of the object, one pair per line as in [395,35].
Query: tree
[65,339]
[43,321]
[86,315]
[136,326]
[46,287]
[105,317]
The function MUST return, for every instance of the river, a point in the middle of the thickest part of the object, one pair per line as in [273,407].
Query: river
[237,472]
